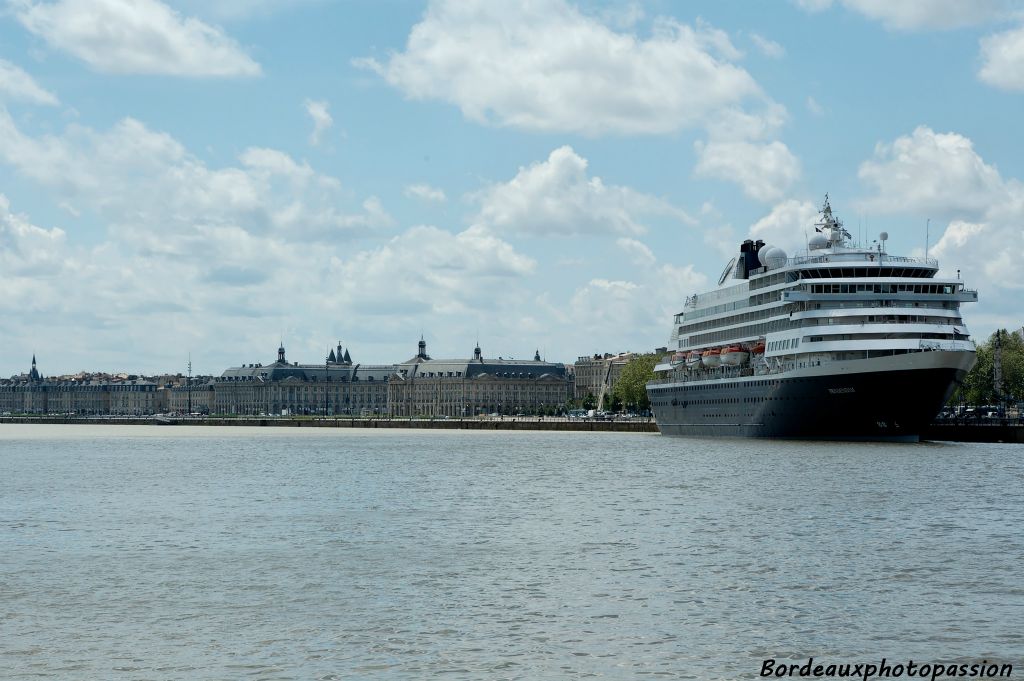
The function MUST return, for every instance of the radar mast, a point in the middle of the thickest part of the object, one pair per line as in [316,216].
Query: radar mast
[831,227]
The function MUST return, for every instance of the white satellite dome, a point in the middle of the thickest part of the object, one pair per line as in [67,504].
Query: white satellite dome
[762,255]
[772,257]
[817,241]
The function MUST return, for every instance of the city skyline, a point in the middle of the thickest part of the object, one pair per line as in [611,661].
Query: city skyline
[214,178]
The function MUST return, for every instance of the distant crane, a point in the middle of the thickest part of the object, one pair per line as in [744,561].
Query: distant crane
[997,367]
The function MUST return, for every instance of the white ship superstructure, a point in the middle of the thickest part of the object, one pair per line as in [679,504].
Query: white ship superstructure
[837,320]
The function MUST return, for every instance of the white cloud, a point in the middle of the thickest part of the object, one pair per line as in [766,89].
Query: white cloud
[813,5]
[233,10]
[512,65]
[16,84]
[909,15]
[139,180]
[930,173]
[741,149]
[979,250]
[557,196]
[425,192]
[630,314]
[814,107]
[322,120]
[768,47]
[943,177]
[734,124]
[786,225]
[427,269]
[637,251]
[1003,57]
[25,248]
[764,171]
[920,14]
[135,37]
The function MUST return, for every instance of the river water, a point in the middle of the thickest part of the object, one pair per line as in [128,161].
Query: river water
[213,553]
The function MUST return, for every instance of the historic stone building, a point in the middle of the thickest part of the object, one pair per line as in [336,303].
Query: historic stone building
[338,386]
[182,398]
[597,375]
[24,394]
[422,386]
[32,394]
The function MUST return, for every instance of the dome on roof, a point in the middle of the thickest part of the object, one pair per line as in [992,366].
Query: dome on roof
[772,257]
[817,241]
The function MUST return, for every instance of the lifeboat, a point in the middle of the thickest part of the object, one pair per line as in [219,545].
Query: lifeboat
[693,359]
[711,358]
[678,358]
[758,349]
[734,356]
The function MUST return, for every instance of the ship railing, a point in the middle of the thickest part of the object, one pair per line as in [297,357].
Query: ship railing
[952,346]
[839,258]
[705,375]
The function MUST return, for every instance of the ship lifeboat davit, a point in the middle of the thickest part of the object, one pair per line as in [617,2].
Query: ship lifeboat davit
[711,358]
[734,356]
[693,359]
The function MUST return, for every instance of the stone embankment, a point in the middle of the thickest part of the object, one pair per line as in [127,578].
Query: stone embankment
[975,432]
[953,432]
[508,423]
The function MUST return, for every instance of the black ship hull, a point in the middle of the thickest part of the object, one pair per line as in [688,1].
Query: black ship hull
[886,404]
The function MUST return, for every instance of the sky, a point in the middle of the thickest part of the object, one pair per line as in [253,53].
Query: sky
[208,179]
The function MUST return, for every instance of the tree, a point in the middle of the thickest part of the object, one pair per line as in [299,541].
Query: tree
[979,385]
[631,388]
[590,402]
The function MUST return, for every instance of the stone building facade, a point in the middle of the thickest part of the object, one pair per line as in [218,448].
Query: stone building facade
[180,399]
[336,387]
[422,386]
[31,393]
[597,375]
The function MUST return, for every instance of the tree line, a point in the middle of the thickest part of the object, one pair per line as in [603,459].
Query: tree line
[979,384]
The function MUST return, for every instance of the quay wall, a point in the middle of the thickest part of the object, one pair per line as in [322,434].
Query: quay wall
[975,432]
[512,423]
[952,432]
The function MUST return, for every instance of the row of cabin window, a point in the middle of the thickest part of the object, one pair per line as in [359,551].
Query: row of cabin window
[882,288]
[784,344]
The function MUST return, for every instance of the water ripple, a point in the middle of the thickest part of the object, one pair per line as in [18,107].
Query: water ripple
[234,553]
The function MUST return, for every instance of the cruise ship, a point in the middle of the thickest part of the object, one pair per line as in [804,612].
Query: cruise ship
[842,341]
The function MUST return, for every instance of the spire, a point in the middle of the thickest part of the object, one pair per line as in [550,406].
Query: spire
[339,352]
[33,359]
[280,354]
[477,355]
[34,373]
[536,355]
[332,358]
[348,358]
[422,354]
